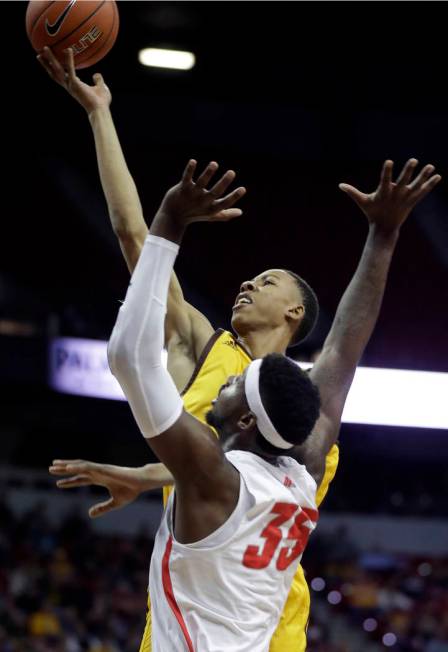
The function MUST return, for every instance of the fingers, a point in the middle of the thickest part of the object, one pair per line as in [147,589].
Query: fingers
[423,183]
[69,59]
[68,467]
[52,60]
[428,186]
[102,508]
[407,172]
[229,200]
[215,206]
[77,461]
[386,172]
[45,65]
[98,79]
[52,65]
[63,74]
[221,186]
[74,481]
[189,171]
[359,197]
[228,214]
[420,179]
[203,180]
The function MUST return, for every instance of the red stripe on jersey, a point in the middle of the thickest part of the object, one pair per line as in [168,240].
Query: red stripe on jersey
[168,588]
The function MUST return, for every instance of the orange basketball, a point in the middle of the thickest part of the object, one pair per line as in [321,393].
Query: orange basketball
[89,27]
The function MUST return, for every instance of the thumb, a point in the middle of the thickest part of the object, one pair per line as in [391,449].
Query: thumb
[357,196]
[229,214]
[102,508]
[98,79]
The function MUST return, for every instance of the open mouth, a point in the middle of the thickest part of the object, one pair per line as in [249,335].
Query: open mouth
[242,300]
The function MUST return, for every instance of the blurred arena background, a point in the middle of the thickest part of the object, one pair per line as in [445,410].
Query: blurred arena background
[297,97]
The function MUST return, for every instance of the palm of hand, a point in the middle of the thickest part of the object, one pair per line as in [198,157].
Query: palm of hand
[390,204]
[191,201]
[89,96]
[122,493]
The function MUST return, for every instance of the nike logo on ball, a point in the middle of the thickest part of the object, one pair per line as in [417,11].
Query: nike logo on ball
[53,28]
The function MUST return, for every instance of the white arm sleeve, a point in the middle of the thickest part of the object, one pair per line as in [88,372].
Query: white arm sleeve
[135,346]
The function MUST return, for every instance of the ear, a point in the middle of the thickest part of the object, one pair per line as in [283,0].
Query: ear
[295,313]
[247,421]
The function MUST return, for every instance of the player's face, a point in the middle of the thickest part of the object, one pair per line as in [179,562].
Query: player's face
[265,302]
[228,406]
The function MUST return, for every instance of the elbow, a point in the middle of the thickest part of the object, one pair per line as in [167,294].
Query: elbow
[122,233]
[121,356]
[123,223]
[340,354]
[126,357]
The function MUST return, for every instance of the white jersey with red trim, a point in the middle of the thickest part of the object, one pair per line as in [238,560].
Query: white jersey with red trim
[227,591]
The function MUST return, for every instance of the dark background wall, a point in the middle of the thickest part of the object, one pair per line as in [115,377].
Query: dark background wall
[297,97]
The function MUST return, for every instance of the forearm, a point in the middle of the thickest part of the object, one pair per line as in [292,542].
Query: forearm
[153,476]
[118,185]
[135,346]
[360,305]
[352,327]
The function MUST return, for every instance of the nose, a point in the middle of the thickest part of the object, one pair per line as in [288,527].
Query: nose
[226,384]
[247,286]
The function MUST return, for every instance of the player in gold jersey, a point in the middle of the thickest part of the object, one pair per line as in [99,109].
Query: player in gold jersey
[270,312]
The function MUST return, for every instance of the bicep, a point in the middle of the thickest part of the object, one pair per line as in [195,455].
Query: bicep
[131,248]
[186,326]
[202,330]
[131,231]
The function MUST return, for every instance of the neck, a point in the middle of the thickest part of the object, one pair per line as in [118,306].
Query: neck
[260,343]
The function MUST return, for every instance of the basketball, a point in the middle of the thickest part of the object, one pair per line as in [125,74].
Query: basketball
[89,27]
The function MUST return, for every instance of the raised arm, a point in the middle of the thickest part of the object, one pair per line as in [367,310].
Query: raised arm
[187,447]
[177,447]
[186,329]
[386,209]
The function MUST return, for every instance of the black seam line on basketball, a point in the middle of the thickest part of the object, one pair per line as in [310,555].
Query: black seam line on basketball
[53,45]
[59,21]
[104,43]
[41,14]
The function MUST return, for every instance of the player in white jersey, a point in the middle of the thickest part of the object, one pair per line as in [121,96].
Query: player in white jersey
[227,591]
[235,528]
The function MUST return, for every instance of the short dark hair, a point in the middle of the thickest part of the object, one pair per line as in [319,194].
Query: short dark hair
[311,305]
[290,399]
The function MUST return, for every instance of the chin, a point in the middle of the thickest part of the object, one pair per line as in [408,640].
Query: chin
[239,324]
[209,417]
[215,421]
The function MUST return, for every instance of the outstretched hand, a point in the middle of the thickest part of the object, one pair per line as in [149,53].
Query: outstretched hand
[120,483]
[191,201]
[90,97]
[388,207]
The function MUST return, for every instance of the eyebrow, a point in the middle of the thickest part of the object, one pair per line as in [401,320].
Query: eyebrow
[264,276]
